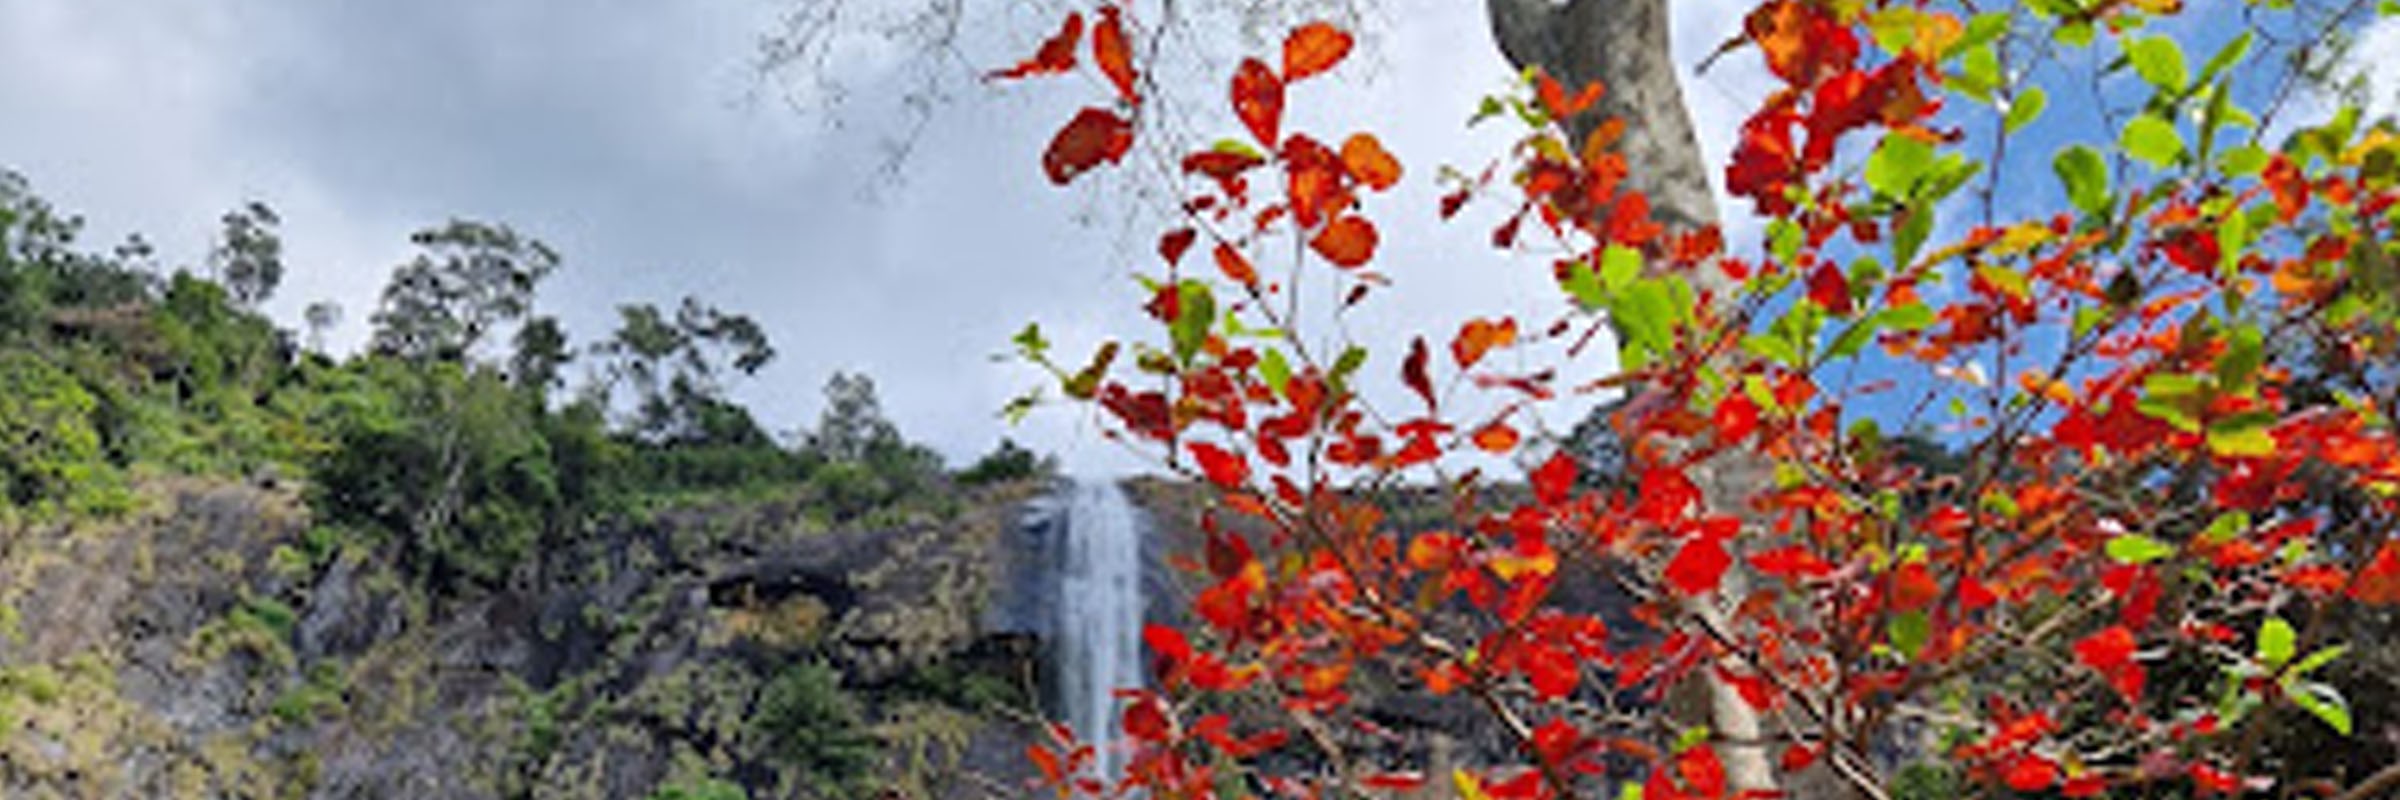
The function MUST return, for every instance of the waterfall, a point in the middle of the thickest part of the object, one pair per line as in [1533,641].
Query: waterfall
[1099,630]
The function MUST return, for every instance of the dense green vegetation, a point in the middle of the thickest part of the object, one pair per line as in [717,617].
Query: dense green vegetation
[457,463]
[454,441]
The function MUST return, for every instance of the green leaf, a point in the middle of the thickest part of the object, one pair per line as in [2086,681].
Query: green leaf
[2245,352]
[1276,371]
[1645,311]
[2172,385]
[2134,548]
[1853,338]
[1030,343]
[2074,34]
[2159,60]
[1910,631]
[1983,29]
[1196,309]
[2233,238]
[2027,106]
[2243,436]
[1915,227]
[2153,140]
[1344,366]
[1772,348]
[1583,285]
[2227,56]
[1619,265]
[1978,73]
[2317,659]
[2324,701]
[2226,526]
[1911,317]
[2276,642]
[2085,176]
[1240,148]
[1897,164]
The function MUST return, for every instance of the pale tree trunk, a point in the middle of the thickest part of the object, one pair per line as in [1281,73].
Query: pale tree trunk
[1624,45]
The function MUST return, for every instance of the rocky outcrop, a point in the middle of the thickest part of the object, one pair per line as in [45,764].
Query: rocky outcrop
[216,645]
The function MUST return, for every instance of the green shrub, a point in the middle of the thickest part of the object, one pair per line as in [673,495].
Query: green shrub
[808,722]
[50,456]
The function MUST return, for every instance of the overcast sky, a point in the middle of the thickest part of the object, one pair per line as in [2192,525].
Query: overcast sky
[636,138]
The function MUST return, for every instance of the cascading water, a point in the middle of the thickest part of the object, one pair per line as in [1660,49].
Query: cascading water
[1100,613]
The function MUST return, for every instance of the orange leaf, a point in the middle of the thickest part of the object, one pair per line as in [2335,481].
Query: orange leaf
[1478,337]
[1046,761]
[1056,55]
[1113,54]
[1368,163]
[1258,100]
[1094,136]
[1313,48]
[1555,100]
[1496,438]
[1347,242]
[1235,267]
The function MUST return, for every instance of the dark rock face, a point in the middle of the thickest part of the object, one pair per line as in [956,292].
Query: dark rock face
[196,652]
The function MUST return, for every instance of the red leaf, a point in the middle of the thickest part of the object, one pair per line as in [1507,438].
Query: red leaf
[1094,136]
[1235,267]
[1913,587]
[1791,561]
[1830,289]
[1313,48]
[1702,771]
[1113,54]
[2110,652]
[1146,721]
[1172,245]
[1412,371]
[1553,479]
[1347,242]
[1220,164]
[1698,566]
[1478,337]
[1055,56]
[2379,581]
[1367,162]
[1224,469]
[2289,186]
[2031,773]
[1258,100]
[1736,417]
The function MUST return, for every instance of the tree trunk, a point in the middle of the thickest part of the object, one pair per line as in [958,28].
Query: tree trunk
[1624,44]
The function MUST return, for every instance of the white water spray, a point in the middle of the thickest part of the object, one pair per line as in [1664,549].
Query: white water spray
[1100,614]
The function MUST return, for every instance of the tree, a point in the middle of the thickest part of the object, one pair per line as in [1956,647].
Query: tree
[321,316]
[472,278]
[675,367]
[248,257]
[2114,570]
